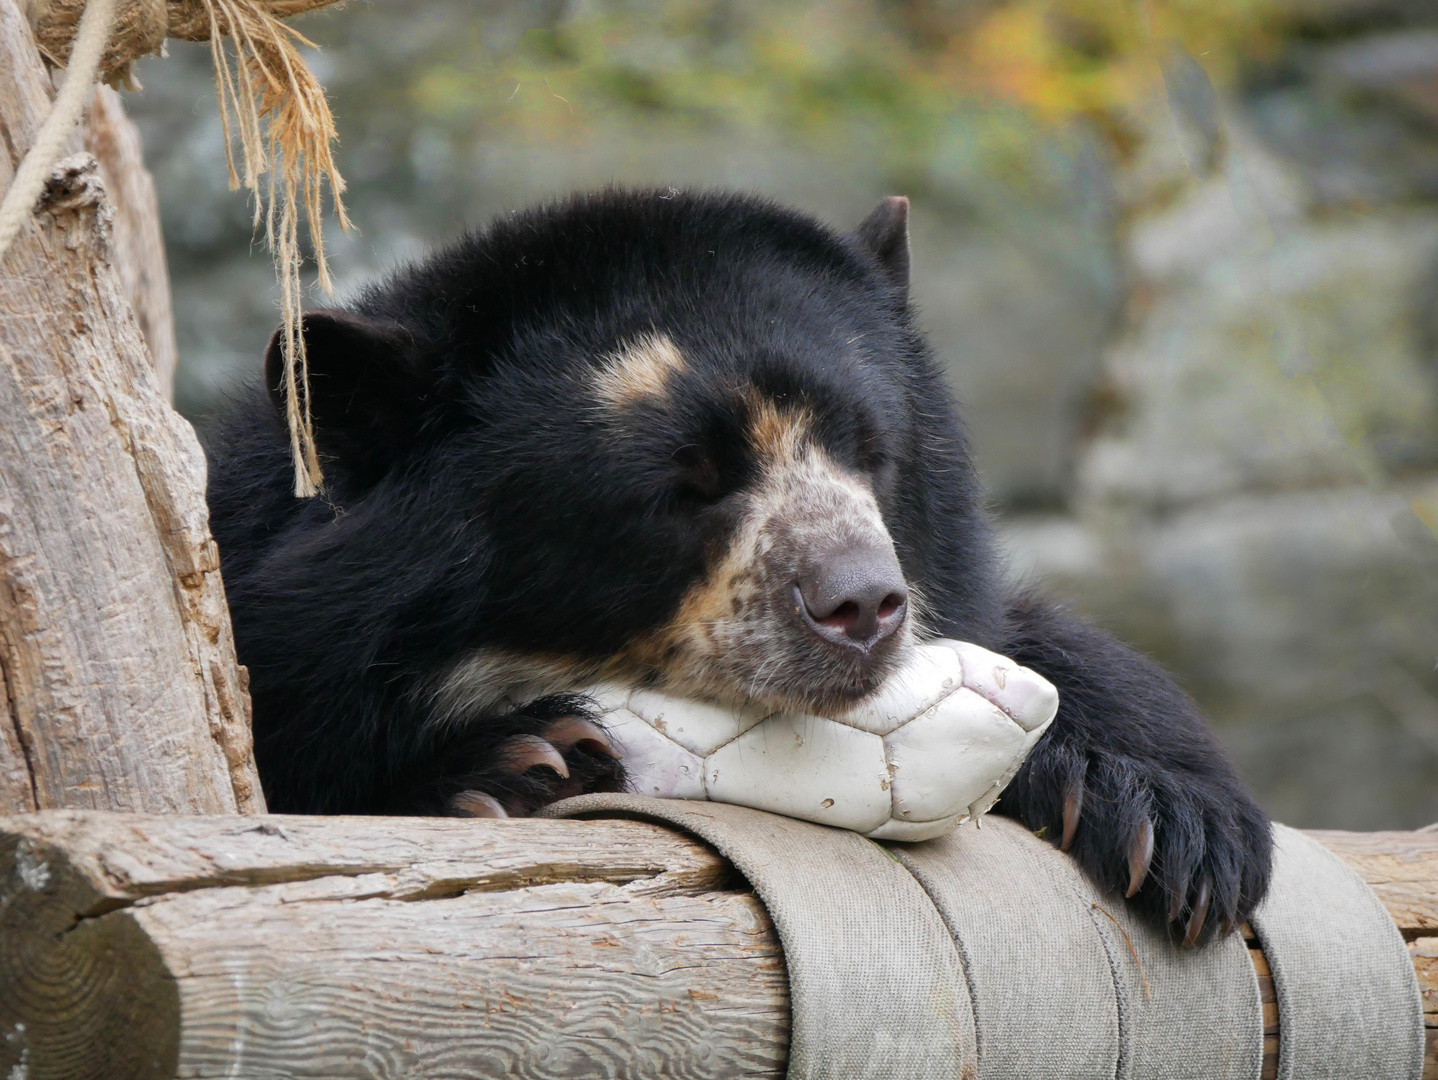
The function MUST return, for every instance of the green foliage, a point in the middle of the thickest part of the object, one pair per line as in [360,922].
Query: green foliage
[815,69]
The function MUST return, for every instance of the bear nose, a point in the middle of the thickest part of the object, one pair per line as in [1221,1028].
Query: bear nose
[855,597]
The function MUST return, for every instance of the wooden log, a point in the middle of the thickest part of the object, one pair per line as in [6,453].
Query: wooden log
[137,246]
[329,947]
[135,945]
[1401,867]
[119,687]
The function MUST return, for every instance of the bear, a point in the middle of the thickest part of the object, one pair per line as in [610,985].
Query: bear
[690,440]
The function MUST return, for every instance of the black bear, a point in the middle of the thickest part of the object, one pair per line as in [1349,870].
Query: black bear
[690,440]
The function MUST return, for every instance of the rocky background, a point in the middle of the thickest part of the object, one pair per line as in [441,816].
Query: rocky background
[1180,259]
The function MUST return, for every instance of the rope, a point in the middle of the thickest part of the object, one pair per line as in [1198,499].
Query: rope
[271,105]
[34,170]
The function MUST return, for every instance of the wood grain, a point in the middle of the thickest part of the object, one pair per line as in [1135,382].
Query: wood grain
[160,946]
[575,980]
[137,247]
[1268,999]
[385,947]
[121,686]
[324,947]
[130,857]
[1401,867]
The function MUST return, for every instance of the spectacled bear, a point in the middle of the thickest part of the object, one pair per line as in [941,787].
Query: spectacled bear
[687,440]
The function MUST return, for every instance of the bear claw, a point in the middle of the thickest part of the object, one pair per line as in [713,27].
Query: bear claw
[1199,913]
[477,804]
[562,754]
[1073,807]
[1140,856]
[525,752]
[572,731]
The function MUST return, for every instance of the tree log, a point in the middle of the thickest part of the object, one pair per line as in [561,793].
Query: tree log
[137,247]
[331,947]
[120,685]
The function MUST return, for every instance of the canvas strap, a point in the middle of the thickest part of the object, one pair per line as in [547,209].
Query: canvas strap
[1348,999]
[985,953]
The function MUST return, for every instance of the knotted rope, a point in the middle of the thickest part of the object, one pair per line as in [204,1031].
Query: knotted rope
[29,180]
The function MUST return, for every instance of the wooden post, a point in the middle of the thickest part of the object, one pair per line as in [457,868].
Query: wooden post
[119,687]
[332,947]
[137,246]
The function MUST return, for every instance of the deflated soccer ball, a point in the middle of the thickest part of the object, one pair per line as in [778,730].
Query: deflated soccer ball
[933,747]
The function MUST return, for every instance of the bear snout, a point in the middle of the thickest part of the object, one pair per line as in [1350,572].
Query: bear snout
[854,598]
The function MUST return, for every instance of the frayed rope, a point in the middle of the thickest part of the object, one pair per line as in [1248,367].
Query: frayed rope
[270,104]
[270,80]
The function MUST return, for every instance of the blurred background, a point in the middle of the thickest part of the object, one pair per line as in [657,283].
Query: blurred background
[1179,258]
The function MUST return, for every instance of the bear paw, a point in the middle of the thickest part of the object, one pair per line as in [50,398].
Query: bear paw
[570,755]
[1184,844]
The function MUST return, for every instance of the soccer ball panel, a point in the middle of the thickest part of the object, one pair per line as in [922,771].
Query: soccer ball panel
[656,765]
[933,673]
[935,746]
[608,697]
[806,767]
[950,756]
[913,831]
[1024,694]
[695,725]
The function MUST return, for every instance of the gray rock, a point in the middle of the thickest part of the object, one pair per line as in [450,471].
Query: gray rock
[1305,624]
[1279,353]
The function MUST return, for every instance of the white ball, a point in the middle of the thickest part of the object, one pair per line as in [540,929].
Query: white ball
[933,747]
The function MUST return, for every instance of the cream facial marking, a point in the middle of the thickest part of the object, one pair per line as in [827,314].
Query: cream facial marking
[640,369]
[735,636]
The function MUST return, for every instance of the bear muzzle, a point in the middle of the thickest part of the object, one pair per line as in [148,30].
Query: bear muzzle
[854,598]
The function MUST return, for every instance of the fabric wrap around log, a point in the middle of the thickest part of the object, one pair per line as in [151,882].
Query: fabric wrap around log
[875,984]
[987,954]
[1348,998]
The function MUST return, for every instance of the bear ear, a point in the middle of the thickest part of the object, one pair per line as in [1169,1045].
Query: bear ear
[885,232]
[366,387]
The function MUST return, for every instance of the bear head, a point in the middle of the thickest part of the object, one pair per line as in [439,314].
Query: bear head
[675,439]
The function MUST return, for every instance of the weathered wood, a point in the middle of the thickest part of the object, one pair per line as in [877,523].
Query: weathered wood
[137,247]
[141,945]
[1401,867]
[121,689]
[326,947]
[139,31]
[1268,997]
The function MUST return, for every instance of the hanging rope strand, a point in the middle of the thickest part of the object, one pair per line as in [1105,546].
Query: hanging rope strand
[270,105]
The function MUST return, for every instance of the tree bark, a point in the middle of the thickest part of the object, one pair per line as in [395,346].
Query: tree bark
[121,688]
[137,247]
[371,947]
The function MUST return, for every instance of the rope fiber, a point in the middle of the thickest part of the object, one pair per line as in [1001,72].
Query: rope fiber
[39,160]
[271,107]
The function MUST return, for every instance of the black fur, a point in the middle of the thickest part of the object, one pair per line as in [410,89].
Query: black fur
[478,497]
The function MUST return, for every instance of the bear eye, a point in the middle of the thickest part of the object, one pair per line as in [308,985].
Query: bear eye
[699,475]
